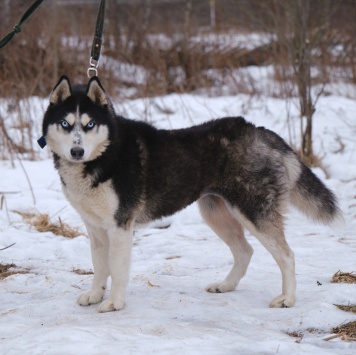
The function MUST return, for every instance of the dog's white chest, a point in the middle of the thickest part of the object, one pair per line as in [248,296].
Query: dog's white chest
[96,205]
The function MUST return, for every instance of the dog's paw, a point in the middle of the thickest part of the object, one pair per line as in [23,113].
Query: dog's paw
[111,305]
[282,301]
[220,287]
[90,297]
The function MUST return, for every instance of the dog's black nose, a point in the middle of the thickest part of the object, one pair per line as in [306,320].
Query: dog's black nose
[77,152]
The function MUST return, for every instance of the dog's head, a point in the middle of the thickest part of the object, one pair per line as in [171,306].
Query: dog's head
[78,122]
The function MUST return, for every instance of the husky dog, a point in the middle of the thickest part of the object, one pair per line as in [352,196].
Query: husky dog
[118,173]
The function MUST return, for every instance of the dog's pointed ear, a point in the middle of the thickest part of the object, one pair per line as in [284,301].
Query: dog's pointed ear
[96,92]
[61,91]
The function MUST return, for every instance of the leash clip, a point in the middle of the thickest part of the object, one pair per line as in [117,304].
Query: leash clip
[93,69]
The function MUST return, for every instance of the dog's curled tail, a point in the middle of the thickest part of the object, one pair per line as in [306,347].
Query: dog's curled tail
[315,200]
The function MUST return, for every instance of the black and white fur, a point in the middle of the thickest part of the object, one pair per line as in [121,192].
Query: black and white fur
[118,173]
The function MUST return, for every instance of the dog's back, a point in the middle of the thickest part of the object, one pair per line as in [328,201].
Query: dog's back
[251,167]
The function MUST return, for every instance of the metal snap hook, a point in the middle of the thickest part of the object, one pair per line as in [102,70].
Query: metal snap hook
[92,70]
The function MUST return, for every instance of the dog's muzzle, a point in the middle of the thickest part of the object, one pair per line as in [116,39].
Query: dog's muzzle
[77,153]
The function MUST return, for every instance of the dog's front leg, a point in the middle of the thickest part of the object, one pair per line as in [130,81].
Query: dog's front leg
[99,244]
[120,240]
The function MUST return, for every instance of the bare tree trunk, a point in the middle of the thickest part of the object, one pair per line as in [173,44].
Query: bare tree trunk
[6,13]
[187,60]
[146,15]
[298,33]
[212,14]
[301,52]
[187,18]
[54,23]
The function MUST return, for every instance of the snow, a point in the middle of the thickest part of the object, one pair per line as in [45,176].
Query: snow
[167,309]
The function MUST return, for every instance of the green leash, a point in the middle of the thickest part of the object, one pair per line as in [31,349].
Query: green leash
[18,28]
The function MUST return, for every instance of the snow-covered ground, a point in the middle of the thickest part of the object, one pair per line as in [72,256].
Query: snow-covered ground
[167,309]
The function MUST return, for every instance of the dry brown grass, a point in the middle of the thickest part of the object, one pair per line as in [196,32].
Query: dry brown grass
[43,223]
[346,331]
[344,277]
[10,269]
[82,272]
[297,335]
[348,308]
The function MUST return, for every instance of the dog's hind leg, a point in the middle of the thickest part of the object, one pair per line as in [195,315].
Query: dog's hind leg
[271,235]
[99,244]
[216,214]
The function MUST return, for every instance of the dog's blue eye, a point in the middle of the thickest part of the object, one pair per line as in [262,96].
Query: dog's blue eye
[64,124]
[91,124]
